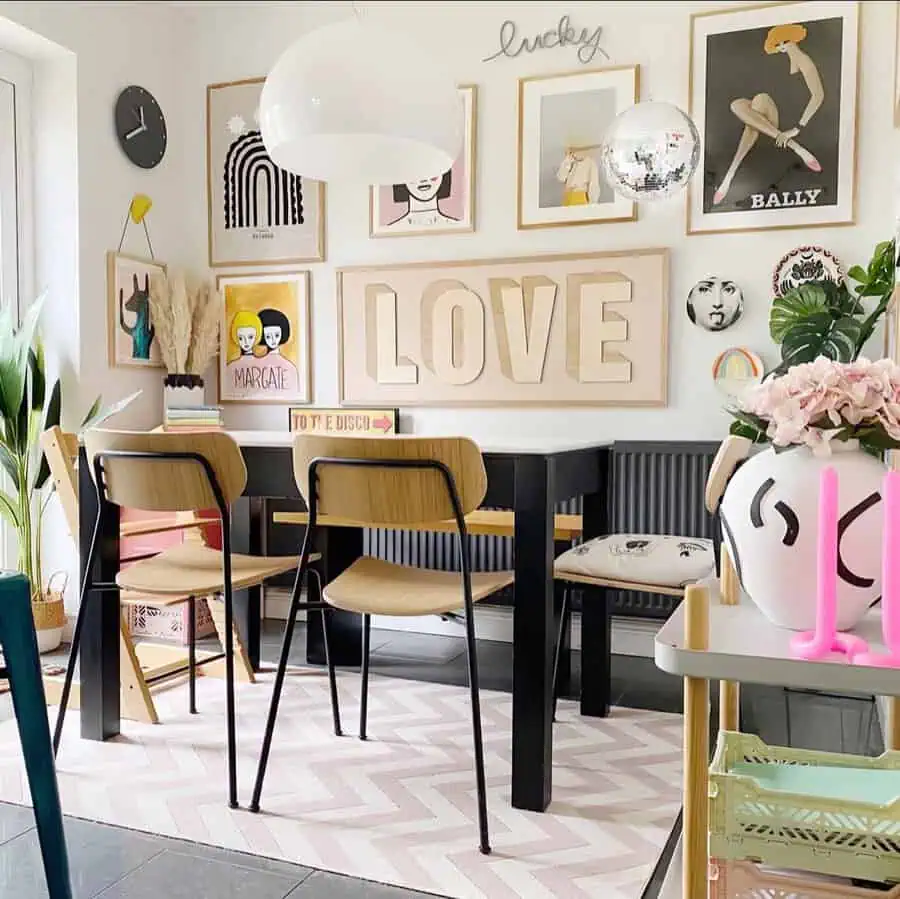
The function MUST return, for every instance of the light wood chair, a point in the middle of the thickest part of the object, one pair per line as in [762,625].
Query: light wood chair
[731,453]
[393,482]
[173,472]
[150,665]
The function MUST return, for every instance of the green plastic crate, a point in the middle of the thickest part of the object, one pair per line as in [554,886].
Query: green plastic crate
[784,829]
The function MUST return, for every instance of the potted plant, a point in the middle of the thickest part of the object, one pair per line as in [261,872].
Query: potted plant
[186,319]
[822,405]
[27,408]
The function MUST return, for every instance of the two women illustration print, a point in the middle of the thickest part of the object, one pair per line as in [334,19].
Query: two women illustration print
[262,350]
[761,115]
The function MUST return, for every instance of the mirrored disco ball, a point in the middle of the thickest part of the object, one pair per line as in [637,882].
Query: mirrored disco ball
[650,151]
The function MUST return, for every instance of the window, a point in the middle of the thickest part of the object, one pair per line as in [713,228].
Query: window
[15,132]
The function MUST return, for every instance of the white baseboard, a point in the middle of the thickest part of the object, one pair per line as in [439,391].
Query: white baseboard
[630,636]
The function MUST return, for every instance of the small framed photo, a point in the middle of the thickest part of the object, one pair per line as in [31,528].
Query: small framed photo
[773,93]
[440,205]
[131,335]
[562,120]
[264,338]
[258,212]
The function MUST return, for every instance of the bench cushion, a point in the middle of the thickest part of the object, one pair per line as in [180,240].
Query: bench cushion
[641,558]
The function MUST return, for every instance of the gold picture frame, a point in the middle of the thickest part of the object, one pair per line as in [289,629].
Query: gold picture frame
[558,114]
[468,161]
[303,341]
[119,267]
[234,146]
[792,208]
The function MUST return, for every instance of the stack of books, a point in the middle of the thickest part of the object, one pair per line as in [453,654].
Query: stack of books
[193,418]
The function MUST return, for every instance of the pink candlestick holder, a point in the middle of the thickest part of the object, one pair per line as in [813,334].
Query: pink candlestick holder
[825,639]
[890,581]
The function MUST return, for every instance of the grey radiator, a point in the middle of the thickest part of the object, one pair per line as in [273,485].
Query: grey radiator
[654,487]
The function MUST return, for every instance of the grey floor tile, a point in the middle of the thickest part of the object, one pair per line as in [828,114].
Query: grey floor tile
[99,856]
[14,820]
[321,885]
[178,876]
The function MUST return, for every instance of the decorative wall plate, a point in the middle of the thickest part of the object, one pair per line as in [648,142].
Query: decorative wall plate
[715,303]
[806,263]
[736,369]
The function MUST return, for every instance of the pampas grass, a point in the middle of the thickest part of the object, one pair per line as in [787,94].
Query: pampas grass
[186,318]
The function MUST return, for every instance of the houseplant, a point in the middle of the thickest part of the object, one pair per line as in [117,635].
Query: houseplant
[27,408]
[186,318]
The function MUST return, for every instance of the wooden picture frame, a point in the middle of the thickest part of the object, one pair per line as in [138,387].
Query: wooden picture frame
[742,121]
[347,421]
[562,119]
[262,224]
[129,319]
[445,207]
[251,369]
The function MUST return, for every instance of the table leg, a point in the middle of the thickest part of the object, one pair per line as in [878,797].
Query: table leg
[695,838]
[729,691]
[533,634]
[340,548]
[892,730]
[99,659]
[596,615]
[247,523]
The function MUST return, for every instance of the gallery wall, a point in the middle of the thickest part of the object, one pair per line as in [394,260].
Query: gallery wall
[242,41]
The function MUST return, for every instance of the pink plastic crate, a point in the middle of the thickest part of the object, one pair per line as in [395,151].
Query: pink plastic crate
[746,880]
[169,623]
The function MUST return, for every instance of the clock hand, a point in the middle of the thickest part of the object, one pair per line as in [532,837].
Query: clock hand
[141,111]
[135,132]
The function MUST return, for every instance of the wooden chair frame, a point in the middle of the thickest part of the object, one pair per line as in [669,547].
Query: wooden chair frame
[312,500]
[143,668]
[89,586]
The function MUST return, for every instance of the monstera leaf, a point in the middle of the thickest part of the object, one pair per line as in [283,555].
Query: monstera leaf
[795,306]
[819,334]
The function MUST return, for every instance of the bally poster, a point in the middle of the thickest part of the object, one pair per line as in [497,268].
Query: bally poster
[774,96]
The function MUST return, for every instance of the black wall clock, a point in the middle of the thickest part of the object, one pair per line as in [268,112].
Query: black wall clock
[140,126]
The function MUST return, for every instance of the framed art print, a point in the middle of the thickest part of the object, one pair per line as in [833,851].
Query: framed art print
[131,335]
[439,205]
[264,338]
[258,212]
[562,120]
[773,93]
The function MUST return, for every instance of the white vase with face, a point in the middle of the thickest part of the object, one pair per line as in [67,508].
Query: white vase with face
[770,524]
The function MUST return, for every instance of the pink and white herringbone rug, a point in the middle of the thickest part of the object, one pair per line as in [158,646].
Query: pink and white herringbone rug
[399,808]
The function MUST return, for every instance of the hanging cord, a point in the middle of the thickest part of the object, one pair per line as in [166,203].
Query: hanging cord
[130,214]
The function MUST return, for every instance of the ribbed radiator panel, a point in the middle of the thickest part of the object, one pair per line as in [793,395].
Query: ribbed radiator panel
[654,488]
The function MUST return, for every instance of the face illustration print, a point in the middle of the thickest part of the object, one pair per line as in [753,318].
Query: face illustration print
[769,517]
[715,303]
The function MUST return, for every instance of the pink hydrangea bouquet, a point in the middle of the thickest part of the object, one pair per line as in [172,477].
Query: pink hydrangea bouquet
[820,401]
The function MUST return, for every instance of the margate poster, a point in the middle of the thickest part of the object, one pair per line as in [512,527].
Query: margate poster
[774,95]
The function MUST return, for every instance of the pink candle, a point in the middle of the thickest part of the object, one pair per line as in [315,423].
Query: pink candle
[890,563]
[826,608]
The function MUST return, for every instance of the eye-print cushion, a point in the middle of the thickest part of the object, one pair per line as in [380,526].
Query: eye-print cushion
[641,558]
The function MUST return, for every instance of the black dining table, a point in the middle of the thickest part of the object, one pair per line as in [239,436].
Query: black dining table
[528,475]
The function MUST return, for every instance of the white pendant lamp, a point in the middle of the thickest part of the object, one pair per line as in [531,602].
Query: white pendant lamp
[355,102]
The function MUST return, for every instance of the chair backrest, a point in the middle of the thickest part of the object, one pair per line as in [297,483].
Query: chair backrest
[167,484]
[390,496]
[61,449]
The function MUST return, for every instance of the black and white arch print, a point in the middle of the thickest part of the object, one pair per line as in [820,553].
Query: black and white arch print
[259,194]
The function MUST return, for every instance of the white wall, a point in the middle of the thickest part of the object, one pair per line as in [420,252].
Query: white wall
[242,40]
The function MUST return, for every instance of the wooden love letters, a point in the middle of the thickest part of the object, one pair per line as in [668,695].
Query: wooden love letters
[584,329]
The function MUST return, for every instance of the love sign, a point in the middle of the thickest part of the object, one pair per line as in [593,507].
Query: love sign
[550,330]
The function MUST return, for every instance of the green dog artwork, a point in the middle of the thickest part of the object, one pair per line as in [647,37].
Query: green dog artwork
[131,332]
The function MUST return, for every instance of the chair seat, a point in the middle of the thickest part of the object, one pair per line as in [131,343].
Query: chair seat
[191,568]
[639,560]
[376,587]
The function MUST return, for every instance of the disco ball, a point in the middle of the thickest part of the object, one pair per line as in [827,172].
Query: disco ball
[650,151]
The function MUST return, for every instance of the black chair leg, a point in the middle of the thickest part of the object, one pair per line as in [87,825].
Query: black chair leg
[276,696]
[364,695]
[332,676]
[564,616]
[70,668]
[229,694]
[484,843]
[192,654]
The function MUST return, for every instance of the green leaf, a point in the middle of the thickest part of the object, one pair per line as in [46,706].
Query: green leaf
[748,426]
[795,306]
[92,412]
[10,464]
[821,335]
[8,511]
[15,346]
[51,420]
[858,273]
[38,376]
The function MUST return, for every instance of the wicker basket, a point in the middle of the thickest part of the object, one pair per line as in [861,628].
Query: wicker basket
[745,880]
[792,830]
[50,615]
